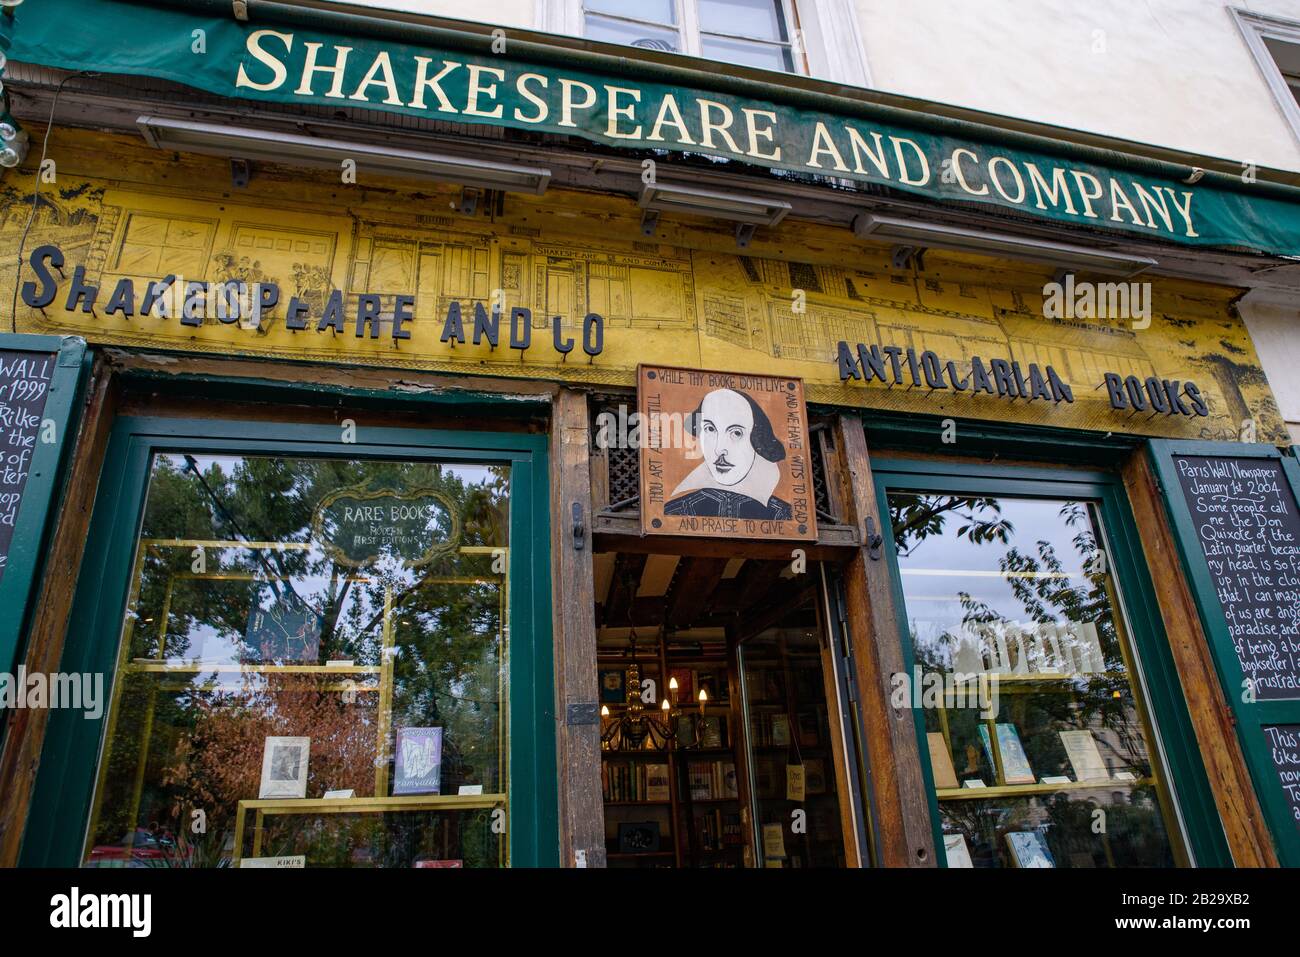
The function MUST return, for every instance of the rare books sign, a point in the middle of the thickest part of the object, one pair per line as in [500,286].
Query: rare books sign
[359,526]
[724,454]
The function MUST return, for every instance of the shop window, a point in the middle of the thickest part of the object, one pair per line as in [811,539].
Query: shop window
[1041,748]
[313,668]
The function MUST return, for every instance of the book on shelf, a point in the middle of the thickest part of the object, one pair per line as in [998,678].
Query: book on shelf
[656,785]
[775,730]
[417,768]
[957,851]
[685,685]
[945,775]
[730,787]
[1015,764]
[700,775]
[773,842]
[815,775]
[1081,749]
[765,686]
[712,780]
[613,689]
[714,684]
[780,730]
[718,830]
[809,729]
[633,781]
[1029,849]
[712,731]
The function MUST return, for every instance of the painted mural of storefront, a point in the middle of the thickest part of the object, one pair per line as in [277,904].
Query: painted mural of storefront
[344,446]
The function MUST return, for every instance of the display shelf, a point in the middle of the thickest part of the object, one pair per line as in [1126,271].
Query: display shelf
[660,755]
[154,666]
[664,803]
[1029,790]
[723,800]
[264,808]
[1010,677]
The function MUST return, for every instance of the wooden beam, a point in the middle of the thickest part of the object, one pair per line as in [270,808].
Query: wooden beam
[25,734]
[899,799]
[582,810]
[1243,821]
[759,579]
[622,590]
[621,532]
[691,590]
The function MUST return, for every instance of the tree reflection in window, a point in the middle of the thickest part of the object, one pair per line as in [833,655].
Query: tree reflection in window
[1024,569]
[231,589]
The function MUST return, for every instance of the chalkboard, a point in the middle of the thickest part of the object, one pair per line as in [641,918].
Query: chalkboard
[1284,749]
[24,386]
[1248,526]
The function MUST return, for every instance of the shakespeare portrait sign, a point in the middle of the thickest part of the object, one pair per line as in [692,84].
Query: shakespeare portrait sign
[724,454]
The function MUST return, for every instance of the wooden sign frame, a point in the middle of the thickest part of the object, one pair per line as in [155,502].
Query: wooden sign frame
[1251,718]
[27,550]
[746,475]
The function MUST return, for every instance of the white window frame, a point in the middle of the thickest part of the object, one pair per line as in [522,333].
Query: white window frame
[1255,29]
[824,38]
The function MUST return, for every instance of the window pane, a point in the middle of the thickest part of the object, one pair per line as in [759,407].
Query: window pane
[299,627]
[656,11]
[762,55]
[761,19]
[1034,730]
[631,34]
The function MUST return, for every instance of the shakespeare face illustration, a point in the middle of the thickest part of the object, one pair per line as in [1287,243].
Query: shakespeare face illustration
[724,425]
[741,453]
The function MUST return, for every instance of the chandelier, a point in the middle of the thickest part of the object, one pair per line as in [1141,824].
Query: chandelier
[636,727]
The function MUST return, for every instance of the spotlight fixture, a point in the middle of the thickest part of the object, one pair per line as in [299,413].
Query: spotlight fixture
[745,210]
[919,235]
[273,146]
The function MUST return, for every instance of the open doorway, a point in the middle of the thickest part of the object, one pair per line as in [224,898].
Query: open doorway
[724,741]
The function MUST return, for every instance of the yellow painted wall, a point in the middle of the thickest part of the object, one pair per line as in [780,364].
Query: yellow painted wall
[683,297]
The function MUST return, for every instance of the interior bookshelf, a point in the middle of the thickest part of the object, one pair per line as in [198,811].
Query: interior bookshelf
[688,792]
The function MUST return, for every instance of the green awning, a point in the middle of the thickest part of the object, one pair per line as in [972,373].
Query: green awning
[294,56]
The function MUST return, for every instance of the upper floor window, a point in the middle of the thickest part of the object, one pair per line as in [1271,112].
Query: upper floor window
[751,32]
[1275,45]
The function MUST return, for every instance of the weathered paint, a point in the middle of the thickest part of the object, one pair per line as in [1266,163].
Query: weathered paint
[685,297]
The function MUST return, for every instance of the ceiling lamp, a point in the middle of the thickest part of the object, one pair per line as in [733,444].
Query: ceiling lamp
[912,235]
[273,146]
[746,210]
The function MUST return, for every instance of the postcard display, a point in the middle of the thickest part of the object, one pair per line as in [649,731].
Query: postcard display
[1037,744]
[358,667]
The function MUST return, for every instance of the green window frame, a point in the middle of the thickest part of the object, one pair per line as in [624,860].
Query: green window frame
[1249,718]
[1198,819]
[64,789]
